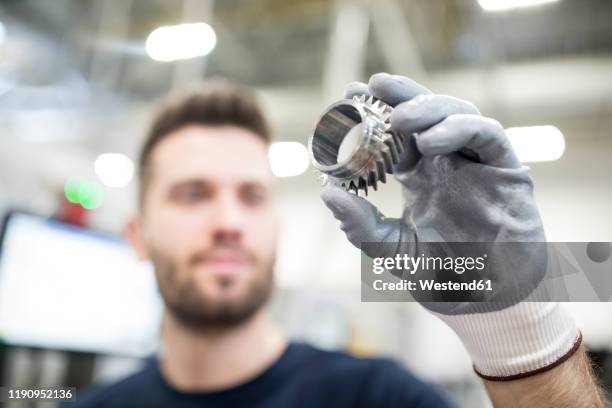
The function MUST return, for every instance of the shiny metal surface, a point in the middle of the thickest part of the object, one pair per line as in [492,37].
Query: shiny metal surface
[352,144]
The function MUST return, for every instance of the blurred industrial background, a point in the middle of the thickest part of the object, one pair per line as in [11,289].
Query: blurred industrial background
[79,80]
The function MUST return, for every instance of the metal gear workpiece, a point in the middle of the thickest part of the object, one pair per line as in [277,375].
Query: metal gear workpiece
[352,144]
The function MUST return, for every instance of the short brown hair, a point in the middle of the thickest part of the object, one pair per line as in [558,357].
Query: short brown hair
[213,103]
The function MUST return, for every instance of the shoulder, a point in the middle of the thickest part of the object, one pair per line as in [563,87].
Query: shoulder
[115,393]
[382,381]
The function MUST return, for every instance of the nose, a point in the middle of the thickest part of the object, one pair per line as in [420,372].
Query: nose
[227,220]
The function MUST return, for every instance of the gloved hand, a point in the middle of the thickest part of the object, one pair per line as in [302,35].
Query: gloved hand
[463,182]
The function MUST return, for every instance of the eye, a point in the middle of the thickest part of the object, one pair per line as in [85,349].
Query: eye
[253,195]
[190,193]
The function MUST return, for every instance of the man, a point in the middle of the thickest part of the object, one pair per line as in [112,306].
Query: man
[207,221]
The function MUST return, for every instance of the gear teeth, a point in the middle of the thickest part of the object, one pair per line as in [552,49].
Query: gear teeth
[382,173]
[363,185]
[390,143]
[373,180]
[387,159]
[398,143]
[388,147]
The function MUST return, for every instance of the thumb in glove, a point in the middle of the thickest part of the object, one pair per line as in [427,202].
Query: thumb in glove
[362,222]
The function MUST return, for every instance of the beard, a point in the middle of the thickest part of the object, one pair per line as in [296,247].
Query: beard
[194,309]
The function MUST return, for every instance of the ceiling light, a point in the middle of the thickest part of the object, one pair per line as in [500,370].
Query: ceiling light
[288,159]
[501,5]
[115,170]
[537,143]
[183,41]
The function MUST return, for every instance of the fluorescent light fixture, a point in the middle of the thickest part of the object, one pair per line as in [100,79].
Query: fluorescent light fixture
[501,5]
[537,143]
[115,170]
[183,41]
[288,159]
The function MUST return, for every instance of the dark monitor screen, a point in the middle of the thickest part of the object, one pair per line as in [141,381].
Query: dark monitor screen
[71,288]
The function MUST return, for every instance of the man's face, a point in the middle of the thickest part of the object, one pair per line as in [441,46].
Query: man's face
[209,225]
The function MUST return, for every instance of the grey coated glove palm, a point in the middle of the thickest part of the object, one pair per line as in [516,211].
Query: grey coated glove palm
[461,179]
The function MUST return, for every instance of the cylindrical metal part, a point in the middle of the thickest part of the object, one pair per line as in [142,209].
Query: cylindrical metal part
[352,143]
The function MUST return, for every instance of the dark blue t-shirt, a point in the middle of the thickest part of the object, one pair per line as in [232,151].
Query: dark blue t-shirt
[302,377]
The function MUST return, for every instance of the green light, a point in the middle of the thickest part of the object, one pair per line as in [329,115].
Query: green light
[79,190]
[91,195]
[71,189]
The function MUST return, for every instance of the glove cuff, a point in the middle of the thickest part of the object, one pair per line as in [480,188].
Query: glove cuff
[523,340]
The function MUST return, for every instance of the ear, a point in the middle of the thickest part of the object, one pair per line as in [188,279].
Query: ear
[133,233]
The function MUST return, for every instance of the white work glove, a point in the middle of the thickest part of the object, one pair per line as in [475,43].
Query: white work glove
[462,182]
